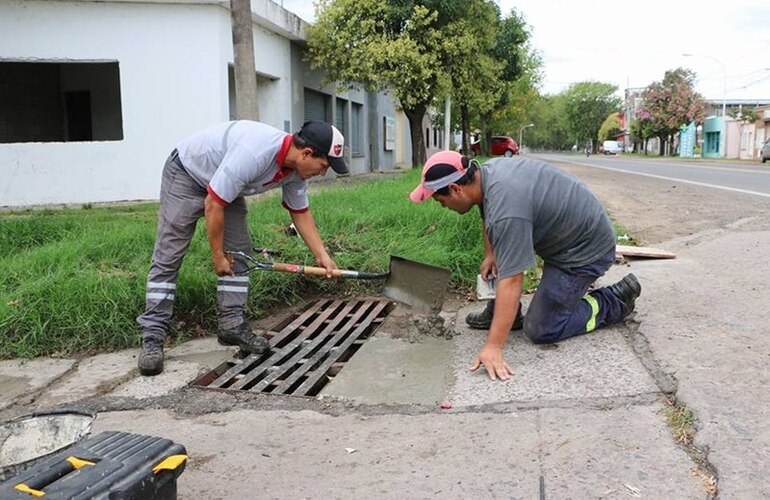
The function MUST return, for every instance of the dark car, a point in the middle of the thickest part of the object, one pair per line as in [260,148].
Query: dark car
[499,144]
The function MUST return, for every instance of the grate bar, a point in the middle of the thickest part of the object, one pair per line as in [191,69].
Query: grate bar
[322,339]
[275,360]
[319,372]
[250,361]
[308,352]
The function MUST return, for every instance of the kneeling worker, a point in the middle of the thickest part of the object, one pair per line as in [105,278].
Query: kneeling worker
[529,207]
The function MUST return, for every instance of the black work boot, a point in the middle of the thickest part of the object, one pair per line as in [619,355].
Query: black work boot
[627,290]
[151,358]
[483,320]
[243,337]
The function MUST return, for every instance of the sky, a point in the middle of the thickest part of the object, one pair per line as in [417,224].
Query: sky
[633,43]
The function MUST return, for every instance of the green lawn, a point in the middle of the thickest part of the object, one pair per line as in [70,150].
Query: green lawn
[73,280]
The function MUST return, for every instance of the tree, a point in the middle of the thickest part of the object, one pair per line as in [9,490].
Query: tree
[744,115]
[550,129]
[520,71]
[473,72]
[492,82]
[587,105]
[671,103]
[642,131]
[397,45]
[610,127]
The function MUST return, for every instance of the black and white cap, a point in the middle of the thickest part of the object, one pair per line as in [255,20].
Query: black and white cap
[327,140]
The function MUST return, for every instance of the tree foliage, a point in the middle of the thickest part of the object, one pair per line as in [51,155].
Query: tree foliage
[550,129]
[610,127]
[501,73]
[671,103]
[587,106]
[397,46]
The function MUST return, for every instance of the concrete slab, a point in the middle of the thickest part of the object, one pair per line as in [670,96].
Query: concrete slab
[116,373]
[393,371]
[705,315]
[92,376]
[176,374]
[579,453]
[623,453]
[206,352]
[24,377]
[599,364]
[293,455]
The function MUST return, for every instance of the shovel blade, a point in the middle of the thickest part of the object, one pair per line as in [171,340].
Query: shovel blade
[419,285]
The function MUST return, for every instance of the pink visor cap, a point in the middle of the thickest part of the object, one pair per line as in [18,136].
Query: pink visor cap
[429,186]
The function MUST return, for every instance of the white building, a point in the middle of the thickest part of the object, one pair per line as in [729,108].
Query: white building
[95,94]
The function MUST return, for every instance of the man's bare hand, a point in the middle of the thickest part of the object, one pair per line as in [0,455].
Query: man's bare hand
[223,265]
[326,262]
[488,267]
[492,359]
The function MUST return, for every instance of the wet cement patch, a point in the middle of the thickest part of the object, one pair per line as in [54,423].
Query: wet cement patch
[394,371]
[595,365]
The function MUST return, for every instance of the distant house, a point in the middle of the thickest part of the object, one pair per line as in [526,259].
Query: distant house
[95,94]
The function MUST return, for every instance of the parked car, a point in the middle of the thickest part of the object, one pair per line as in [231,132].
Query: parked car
[499,144]
[764,153]
[611,147]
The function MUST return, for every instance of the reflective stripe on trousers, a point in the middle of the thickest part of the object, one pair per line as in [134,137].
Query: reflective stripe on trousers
[181,205]
[561,307]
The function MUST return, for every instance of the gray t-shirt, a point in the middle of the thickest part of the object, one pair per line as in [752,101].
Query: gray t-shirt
[531,207]
[241,158]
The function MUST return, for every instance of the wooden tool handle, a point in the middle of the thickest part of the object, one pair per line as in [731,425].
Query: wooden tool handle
[306,270]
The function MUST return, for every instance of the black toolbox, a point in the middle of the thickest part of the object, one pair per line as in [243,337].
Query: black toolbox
[111,465]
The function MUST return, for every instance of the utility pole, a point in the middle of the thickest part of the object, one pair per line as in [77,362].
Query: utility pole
[246,107]
[447,123]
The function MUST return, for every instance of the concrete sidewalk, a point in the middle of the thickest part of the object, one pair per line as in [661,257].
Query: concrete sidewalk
[580,420]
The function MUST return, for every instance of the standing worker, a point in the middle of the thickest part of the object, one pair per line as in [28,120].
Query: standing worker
[529,207]
[208,175]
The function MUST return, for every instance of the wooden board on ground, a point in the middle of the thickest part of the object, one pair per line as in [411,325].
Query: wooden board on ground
[647,252]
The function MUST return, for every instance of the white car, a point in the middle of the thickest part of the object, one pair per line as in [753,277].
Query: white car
[764,153]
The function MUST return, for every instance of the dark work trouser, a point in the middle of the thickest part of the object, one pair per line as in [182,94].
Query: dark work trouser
[181,205]
[561,308]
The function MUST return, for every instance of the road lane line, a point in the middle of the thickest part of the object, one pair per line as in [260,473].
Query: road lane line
[695,183]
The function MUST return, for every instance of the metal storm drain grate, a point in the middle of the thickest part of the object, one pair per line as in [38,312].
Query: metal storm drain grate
[307,352]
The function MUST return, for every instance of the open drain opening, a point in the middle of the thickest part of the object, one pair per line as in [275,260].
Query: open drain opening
[310,348]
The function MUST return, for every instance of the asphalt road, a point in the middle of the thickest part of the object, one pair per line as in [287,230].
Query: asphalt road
[741,177]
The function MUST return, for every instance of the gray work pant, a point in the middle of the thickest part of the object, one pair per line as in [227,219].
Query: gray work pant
[181,205]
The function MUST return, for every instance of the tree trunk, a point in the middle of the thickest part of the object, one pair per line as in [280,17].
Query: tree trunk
[246,107]
[661,146]
[415,116]
[465,124]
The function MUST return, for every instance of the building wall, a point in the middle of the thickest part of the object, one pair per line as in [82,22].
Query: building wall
[382,114]
[174,61]
[172,83]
